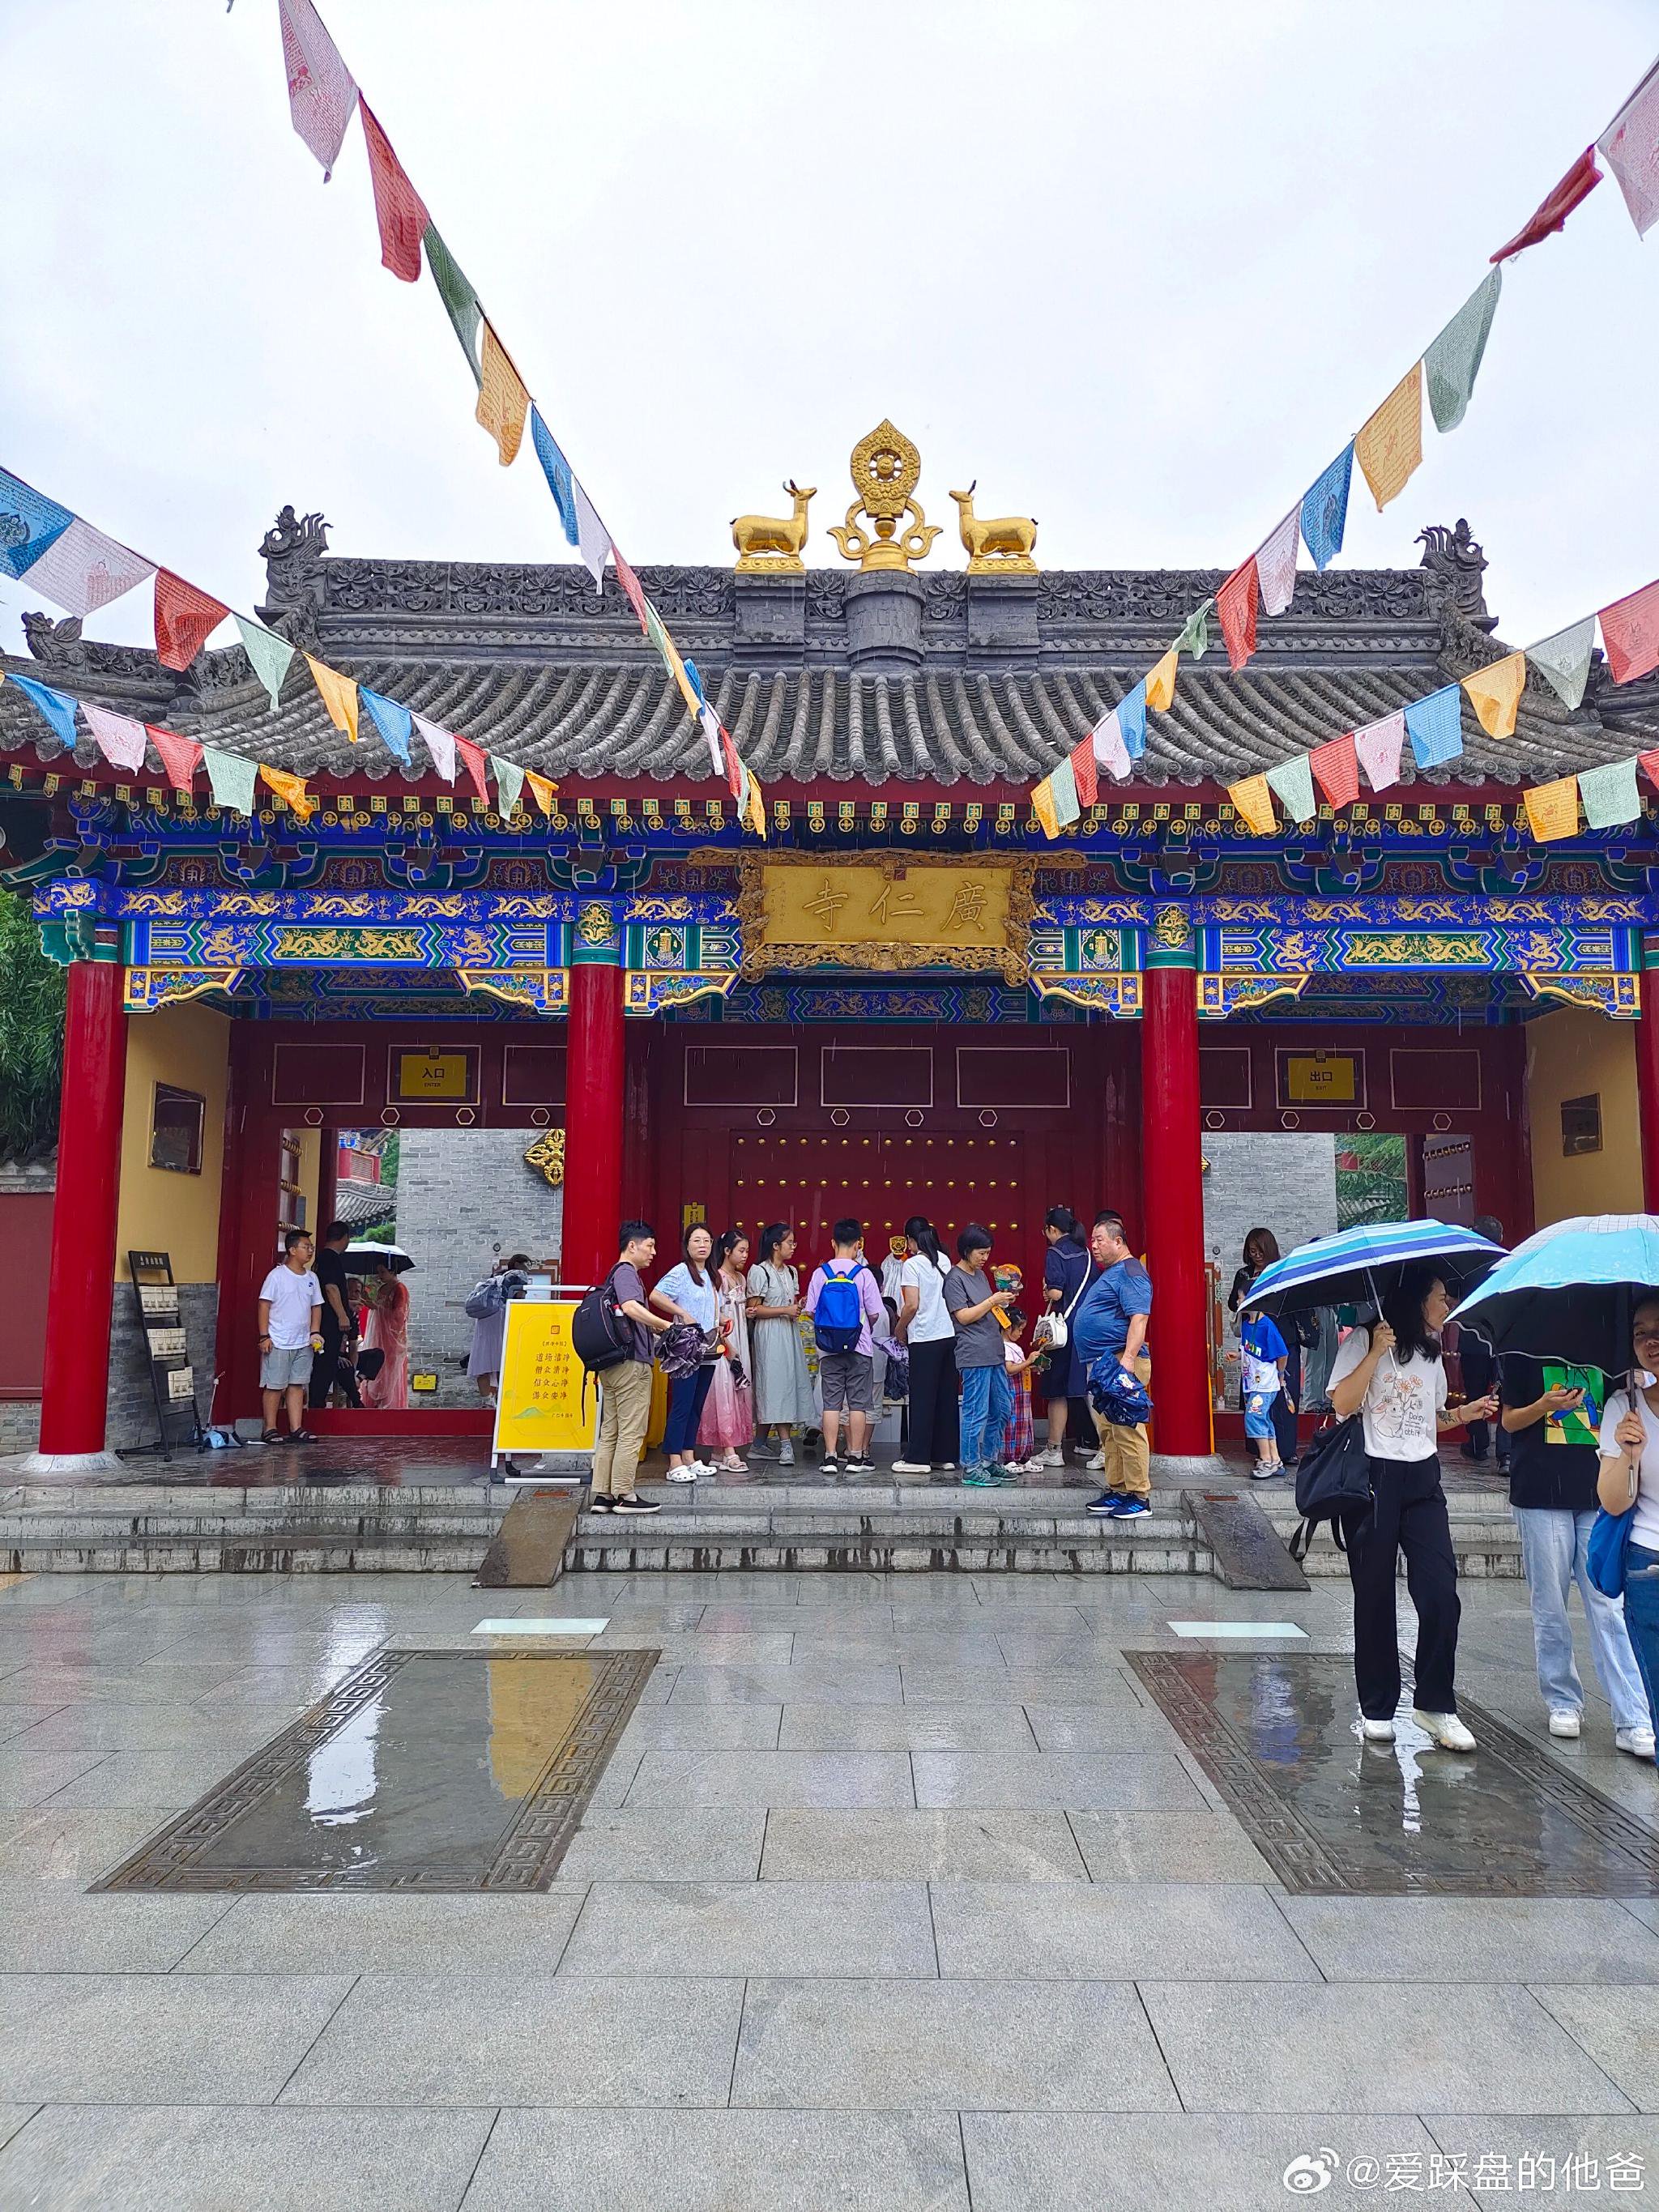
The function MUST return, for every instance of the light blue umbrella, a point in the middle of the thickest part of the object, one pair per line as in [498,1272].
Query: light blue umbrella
[1359,1265]
[1568,1293]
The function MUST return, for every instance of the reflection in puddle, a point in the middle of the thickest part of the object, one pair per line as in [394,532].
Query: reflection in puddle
[434,1770]
[1277,1733]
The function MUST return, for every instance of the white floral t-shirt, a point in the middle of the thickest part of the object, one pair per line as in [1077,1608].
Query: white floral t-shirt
[1401,1405]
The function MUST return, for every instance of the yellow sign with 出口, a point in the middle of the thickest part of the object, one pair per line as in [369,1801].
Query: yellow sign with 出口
[1329,1079]
[539,1403]
[446,1075]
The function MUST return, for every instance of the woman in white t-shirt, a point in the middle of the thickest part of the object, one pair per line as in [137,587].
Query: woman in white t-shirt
[927,1331]
[1392,1375]
[1630,1476]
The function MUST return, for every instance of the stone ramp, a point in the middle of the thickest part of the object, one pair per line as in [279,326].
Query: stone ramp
[1250,1552]
[877,1527]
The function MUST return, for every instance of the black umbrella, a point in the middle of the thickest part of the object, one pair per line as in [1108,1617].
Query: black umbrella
[364,1255]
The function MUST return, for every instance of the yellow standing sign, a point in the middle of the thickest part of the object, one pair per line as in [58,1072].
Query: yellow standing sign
[538,1403]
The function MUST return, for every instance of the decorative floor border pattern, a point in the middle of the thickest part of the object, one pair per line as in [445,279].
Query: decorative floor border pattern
[530,1848]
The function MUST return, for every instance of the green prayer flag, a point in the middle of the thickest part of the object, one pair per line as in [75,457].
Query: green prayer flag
[1564,661]
[1063,783]
[460,301]
[1609,794]
[1450,364]
[231,778]
[1195,636]
[1292,783]
[509,782]
[269,654]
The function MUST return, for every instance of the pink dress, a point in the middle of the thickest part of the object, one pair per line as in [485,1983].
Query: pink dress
[388,1331]
[728,1413]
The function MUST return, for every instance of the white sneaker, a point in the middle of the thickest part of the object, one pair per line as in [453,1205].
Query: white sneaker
[683,1474]
[1097,1464]
[947,1467]
[1260,1473]
[1448,1731]
[912,1466]
[786,1456]
[1377,1731]
[1638,1742]
[1053,1457]
[1564,1722]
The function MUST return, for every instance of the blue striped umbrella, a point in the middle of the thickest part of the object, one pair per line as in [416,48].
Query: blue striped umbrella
[1361,1266]
[1568,1293]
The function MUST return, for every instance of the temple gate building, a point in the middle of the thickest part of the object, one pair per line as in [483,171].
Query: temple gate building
[906,999]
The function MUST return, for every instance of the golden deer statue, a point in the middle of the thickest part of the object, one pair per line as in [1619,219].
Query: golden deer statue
[770,544]
[1000,546]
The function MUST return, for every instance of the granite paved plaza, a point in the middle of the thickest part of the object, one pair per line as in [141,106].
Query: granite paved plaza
[896,1894]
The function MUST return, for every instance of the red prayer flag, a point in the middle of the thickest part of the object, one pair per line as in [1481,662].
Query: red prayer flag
[472,759]
[179,756]
[399,208]
[1630,631]
[1337,767]
[184,619]
[1237,604]
[1648,763]
[1083,772]
[733,765]
[1578,184]
[630,584]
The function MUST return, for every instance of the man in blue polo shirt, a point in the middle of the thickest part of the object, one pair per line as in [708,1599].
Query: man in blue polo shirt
[1112,1319]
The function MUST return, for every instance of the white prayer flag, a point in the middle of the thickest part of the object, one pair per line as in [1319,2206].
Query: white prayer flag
[593,538]
[1379,747]
[441,746]
[83,570]
[1275,565]
[120,739]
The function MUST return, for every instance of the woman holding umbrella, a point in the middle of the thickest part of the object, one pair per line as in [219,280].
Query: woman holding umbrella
[1392,1377]
[1630,1477]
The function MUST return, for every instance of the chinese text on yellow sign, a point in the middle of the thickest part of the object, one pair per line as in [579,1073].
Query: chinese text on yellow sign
[539,1399]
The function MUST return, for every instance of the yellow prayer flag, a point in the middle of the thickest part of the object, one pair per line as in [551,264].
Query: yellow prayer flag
[339,695]
[753,804]
[1389,448]
[1252,799]
[1495,693]
[542,791]
[1161,683]
[292,788]
[1042,805]
[503,402]
[1552,809]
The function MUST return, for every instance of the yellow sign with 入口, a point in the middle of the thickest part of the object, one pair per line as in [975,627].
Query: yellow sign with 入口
[538,1399]
[1330,1079]
[446,1075]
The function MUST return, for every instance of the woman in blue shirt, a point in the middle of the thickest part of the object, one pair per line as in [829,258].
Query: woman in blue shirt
[688,1293]
[1066,1272]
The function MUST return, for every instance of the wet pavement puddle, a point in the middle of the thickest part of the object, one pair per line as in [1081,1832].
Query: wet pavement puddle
[1276,1733]
[431,1771]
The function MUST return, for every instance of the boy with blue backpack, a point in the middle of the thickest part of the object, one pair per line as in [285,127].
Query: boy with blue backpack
[842,1300]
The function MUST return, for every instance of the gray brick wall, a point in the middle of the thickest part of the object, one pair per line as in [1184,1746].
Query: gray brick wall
[131,1416]
[460,1192]
[1283,1179]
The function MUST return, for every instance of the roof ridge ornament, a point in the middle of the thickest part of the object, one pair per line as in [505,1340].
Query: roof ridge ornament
[770,544]
[998,545]
[886,469]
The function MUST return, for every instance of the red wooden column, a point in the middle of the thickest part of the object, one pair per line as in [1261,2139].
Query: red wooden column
[594,1084]
[1172,1188]
[80,1286]
[1647,1072]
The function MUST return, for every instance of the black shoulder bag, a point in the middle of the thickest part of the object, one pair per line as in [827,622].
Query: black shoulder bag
[1334,1477]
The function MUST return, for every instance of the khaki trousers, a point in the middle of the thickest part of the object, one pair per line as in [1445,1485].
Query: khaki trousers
[1127,1458]
[624,1416]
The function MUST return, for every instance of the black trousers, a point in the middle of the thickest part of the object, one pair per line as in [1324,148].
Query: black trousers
[1409,1516]
[326,1370]
[934,1433]
[1284,1420]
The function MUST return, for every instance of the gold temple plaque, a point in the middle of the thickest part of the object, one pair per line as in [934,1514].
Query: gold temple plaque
[884,915]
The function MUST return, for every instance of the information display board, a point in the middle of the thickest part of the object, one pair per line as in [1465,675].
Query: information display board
[538,1402]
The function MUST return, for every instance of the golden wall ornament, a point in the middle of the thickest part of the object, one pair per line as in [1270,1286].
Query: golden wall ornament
[886,469]
[546,1155]
[882,913]
[999,545]
[770,544]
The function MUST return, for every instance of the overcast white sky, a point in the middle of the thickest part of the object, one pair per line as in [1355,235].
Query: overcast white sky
[1141,270]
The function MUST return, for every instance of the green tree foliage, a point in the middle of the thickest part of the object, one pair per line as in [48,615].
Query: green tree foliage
[1370,1178]
[31,1035]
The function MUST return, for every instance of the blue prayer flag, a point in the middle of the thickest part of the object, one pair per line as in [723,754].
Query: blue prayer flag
[392,722]
[29,523]
[1435,725]
[556,470]
[58,706]
[1325,510]
[695,681]
[1131,720]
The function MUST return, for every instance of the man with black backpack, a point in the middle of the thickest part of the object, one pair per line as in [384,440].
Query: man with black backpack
[842,1299]
[624,1374]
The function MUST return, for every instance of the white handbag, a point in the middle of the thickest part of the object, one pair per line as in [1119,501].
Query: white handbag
[1058,1325]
